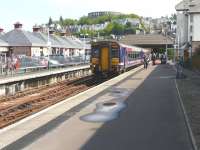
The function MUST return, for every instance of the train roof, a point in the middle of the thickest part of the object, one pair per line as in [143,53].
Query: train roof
[122,45]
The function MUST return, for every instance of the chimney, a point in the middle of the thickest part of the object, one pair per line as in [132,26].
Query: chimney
[18,25]
[1,30]
[36,28]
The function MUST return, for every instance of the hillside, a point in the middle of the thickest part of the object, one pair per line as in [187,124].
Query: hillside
[102,25]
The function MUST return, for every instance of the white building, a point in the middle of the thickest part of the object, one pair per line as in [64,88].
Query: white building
[188,26]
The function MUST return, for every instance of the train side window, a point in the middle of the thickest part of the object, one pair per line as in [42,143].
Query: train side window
[132,54]
[137,54]
[129,55]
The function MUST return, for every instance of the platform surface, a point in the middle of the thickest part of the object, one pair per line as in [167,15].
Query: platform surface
[152,120]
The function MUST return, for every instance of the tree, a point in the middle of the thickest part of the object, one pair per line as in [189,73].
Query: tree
[68,22]
[85,20]
[173,18]
[50,22]
[118,29]
[114,28]
[61,22]
[108,29]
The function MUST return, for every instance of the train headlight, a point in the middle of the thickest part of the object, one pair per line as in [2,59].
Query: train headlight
[95,61]
[115,61]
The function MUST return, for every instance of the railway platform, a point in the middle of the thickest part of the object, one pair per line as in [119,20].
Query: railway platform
[39,74]
[139,110]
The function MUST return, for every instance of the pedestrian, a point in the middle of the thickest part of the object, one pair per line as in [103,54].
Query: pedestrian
[153,58]
[145,62]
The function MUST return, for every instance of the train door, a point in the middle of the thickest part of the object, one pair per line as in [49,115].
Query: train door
[105,59]
[124,57]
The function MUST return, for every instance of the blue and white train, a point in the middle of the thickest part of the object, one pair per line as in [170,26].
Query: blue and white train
[108,57]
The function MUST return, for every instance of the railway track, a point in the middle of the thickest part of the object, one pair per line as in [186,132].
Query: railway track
[22,104]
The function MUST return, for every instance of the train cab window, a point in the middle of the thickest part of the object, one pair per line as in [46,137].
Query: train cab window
[115,52]
[95,52]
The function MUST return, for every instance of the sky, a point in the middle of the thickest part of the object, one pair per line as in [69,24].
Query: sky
[31,12]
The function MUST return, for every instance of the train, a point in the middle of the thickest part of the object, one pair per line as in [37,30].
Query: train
[112,57]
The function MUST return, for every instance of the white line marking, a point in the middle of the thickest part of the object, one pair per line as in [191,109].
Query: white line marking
[186,118]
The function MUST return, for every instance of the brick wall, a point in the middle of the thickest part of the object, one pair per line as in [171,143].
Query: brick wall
[22,50]
[195,46]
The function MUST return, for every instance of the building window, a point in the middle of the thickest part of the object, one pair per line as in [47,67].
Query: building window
[191,29]
[191,18]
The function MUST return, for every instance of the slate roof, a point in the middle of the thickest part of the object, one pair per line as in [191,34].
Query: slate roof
[58,41]
[195,9]
[3,43]
[72,42]
[18,37]
[186,5]
[44,37]
[183,5]
[64,42]
[82,44]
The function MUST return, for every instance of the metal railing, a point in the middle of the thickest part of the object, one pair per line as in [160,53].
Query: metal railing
[23,64]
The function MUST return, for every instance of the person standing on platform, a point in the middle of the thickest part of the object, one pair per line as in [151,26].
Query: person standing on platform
[153,58]
[145,59]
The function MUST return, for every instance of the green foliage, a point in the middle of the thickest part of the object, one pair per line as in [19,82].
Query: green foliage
[84,20]
[173,18]
[112,27]
[170,52]
[128,29]
[68,22]
[90,33]
[61,22]
[102,19]
[117,29]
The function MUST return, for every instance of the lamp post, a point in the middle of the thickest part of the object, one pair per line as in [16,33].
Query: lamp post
[178,46]
[48,46]
[190,51]
[84,50]
[166,50]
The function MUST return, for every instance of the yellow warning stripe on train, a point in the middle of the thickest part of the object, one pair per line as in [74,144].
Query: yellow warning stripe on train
[115,61]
